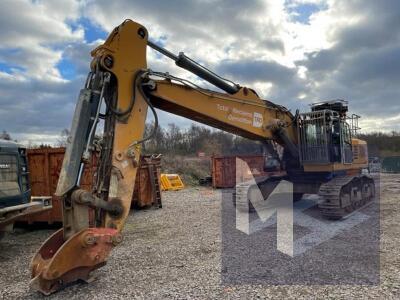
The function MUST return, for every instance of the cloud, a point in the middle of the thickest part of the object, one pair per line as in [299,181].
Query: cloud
[36,101]
[283,84]
[37,106]
[362,64]
[257,70]
[31,32]
[208,30]
[244,41]
[293,52]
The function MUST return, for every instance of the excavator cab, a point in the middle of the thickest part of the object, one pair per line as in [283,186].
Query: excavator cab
[14,184]
[324,134]
[15,191]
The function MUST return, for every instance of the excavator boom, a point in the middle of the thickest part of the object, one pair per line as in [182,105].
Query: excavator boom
[120,90]
[120,81]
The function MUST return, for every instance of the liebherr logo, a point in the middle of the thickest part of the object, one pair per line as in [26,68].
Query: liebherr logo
[279,209]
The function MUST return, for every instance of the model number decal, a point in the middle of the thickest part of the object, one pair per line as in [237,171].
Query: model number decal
[255,119]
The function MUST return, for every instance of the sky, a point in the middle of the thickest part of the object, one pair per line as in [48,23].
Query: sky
[292,52]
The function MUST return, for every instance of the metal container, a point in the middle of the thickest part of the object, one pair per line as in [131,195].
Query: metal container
[44,167]
[223,169]
[147,185]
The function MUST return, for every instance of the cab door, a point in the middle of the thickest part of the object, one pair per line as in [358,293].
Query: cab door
[345,141]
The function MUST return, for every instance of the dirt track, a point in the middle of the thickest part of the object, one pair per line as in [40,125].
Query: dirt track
[175,252]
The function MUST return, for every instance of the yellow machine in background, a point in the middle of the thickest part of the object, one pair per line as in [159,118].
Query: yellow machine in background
[320,154]
[171,182]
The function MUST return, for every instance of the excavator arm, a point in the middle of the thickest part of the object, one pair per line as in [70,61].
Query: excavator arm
[242,113]
[120,90]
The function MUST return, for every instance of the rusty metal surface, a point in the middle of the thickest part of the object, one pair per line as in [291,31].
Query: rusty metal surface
[223,169]
[58,263]
[44,167]
[145,192]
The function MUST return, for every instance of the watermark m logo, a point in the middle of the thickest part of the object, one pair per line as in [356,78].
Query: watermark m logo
[279,209]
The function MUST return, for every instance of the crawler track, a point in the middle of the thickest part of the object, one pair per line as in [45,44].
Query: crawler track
[243,192]
[344,195]
[340,197]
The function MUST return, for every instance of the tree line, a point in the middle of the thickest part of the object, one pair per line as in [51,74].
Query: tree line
[172,140]
[382,144]
[189,141]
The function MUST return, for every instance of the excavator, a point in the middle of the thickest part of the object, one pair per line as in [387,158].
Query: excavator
[320,153]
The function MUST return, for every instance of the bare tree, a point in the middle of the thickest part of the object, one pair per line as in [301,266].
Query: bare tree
[62,139]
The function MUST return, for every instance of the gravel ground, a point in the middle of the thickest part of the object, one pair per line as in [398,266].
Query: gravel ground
[175,252]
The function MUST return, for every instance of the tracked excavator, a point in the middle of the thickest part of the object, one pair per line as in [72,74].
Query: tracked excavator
[320,153]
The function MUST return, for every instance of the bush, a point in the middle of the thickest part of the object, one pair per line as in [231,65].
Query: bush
[191,169]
